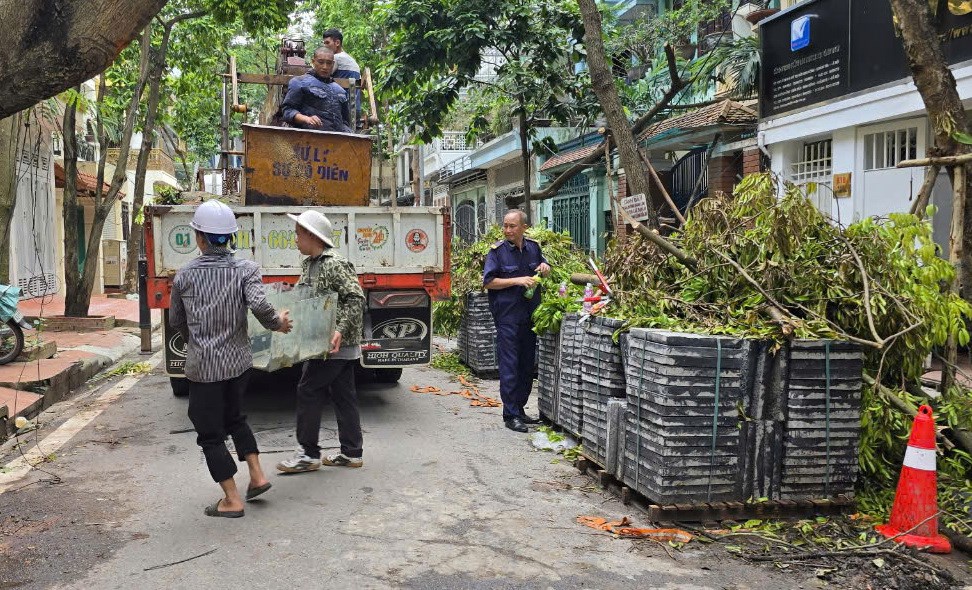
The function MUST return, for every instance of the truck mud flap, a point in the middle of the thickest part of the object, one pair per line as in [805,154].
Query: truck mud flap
[174,348]
[398,329]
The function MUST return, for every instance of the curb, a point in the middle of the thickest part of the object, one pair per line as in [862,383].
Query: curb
[69,370]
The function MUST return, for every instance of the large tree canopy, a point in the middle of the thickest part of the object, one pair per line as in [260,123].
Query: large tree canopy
[48,47]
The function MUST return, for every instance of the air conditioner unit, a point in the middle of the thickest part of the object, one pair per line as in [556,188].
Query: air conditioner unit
[116,259]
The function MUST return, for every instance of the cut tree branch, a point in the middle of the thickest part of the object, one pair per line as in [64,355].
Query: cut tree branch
[655,238]
[774,309]
[661,187]
[924,194]
[640,124]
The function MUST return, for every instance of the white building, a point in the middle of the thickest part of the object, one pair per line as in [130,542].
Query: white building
[838,106]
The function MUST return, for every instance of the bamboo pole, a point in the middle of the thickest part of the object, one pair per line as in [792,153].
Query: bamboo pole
[939,161]
[664,191]
[955,255]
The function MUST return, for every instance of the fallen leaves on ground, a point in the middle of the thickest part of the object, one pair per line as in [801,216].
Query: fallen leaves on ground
[622,528]
[470,392]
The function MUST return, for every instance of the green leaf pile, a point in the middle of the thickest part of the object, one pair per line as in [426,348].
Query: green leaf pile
[467,277]
[831,281]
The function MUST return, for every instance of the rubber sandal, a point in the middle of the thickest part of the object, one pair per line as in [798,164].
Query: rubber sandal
[215,511]
[254,492]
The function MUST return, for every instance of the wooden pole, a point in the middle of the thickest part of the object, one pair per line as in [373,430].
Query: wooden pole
[940,161]
[955,254]
[664,191]
[607,176]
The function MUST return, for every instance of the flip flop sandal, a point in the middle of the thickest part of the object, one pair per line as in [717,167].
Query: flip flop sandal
[254,492]
[215,511]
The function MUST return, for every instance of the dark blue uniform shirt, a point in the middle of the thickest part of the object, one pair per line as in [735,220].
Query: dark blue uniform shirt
[505,261]
[310,95]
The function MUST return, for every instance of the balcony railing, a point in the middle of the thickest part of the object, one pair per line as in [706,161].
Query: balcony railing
[715,31]
[454,167]
[158,160]
[455,141]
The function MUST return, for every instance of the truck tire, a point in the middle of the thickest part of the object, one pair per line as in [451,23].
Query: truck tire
[180,386]
[388,375]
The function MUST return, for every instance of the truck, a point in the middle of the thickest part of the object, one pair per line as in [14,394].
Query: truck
[401,253]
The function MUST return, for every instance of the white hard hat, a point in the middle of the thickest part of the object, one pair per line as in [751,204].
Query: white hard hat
[214,217]
[316,223]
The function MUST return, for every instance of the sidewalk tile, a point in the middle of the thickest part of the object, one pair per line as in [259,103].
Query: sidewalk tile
[19,402]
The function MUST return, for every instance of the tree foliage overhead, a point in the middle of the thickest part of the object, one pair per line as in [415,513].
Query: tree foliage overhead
[363,37]
[437,48]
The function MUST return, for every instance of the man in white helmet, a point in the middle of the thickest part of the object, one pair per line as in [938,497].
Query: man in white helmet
[328,272]
[209,300]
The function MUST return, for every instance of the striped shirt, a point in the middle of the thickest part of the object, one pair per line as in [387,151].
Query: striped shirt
[208,304]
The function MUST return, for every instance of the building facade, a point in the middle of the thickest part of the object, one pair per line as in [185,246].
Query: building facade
[838,107]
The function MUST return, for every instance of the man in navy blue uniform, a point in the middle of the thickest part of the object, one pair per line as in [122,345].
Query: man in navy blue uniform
[508,273]
[314,100]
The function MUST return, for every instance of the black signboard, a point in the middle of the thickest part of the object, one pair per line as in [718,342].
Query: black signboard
[804,57]
[824,49]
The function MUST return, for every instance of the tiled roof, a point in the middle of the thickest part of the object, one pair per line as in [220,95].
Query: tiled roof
[571,156]
[86,182]
[727,112]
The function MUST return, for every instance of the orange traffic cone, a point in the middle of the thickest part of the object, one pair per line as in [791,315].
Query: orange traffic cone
[914,515]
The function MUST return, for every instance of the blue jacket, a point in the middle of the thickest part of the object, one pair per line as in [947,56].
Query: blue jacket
[505,261]
[310,95]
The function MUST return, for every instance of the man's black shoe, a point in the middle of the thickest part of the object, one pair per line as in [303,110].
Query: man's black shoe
[528,420]
[516,424]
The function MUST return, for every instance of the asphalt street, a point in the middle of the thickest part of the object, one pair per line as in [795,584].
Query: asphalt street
[447,498]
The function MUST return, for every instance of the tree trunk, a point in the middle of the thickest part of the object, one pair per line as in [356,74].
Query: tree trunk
[75,299]
[607,94]
[157,68]
[78,297]
[48,47]
[525,159]
[957,257]
[9,131]
[936,84]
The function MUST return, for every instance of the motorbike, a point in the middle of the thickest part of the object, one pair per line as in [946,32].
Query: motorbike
[13,326]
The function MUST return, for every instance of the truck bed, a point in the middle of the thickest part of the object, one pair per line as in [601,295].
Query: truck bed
[390,247]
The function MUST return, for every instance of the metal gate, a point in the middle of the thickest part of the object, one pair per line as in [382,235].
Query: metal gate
[690,177]
[465,222]
[481,217]
[32,256]
[571,211]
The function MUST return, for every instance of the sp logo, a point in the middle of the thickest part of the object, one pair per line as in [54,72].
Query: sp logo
[401,328]
[177,345]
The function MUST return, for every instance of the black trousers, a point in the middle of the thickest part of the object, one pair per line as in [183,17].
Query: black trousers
[322,380]
[215,410]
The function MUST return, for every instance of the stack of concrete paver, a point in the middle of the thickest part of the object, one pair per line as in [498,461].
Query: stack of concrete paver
[570,412]
[548,373]
[823,419]
[477,336]
[602,378]
[683,441]
[765,424]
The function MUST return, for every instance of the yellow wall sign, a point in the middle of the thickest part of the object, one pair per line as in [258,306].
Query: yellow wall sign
[842,184]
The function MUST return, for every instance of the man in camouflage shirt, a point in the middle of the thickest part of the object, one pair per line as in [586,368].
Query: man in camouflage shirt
[328,272]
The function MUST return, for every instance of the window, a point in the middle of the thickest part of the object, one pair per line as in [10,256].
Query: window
[125,214]
[815,163]
[886,148]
